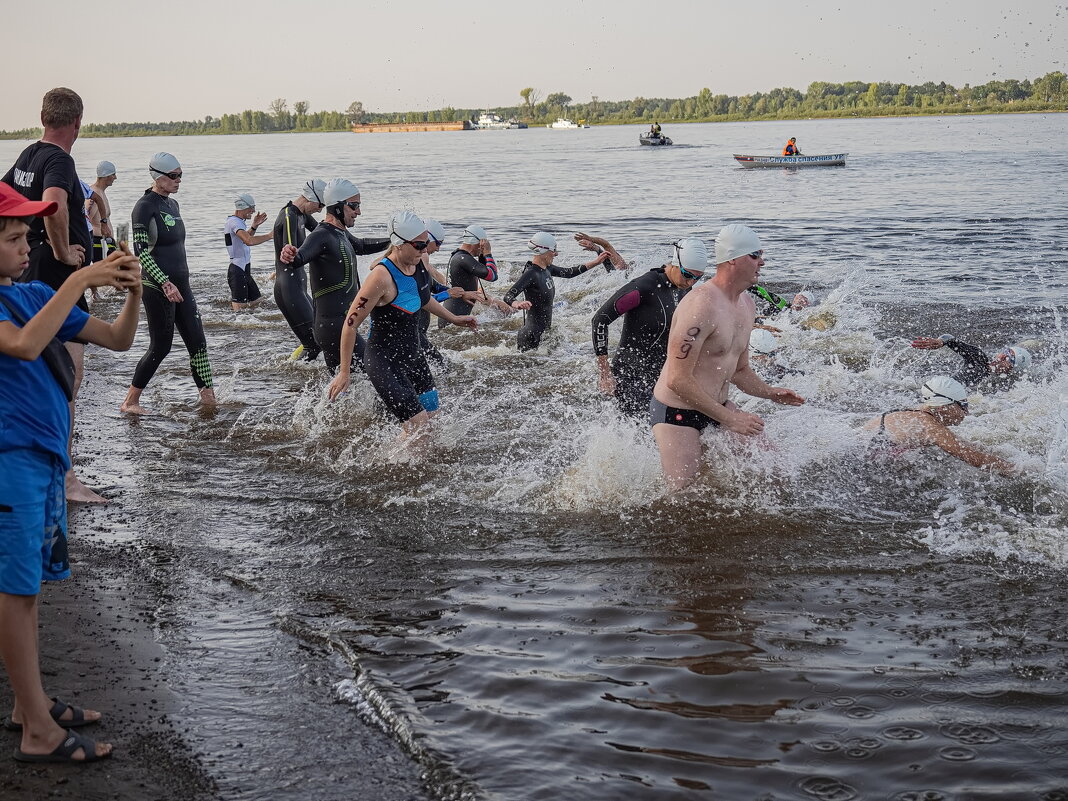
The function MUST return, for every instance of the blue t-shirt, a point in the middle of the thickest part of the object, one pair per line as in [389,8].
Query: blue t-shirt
[33,409]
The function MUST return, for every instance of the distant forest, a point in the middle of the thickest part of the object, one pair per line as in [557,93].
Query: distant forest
[851,99]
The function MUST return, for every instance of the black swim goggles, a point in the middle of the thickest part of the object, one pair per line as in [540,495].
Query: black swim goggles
[418,244]
[963,404]
[174,176]
[685,273]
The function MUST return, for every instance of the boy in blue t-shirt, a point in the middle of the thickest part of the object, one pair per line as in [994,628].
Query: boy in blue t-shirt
[35,382]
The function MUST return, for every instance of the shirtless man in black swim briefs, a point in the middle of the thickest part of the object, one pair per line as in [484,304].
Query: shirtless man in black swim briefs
[708,350]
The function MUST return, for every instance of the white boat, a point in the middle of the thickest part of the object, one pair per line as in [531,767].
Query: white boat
[488,121]
[824,160]
[563,122]
[656,140]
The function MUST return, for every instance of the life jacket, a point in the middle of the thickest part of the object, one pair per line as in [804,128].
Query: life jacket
[789,150]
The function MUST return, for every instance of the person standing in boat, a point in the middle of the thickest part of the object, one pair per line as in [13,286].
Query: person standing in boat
[646,304]
[654,129]
[791,148]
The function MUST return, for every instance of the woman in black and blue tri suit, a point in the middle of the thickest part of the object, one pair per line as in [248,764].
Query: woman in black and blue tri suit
[394,292]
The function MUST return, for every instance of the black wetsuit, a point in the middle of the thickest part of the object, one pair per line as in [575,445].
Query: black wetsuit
[159,240]
[536,284]
[465,271]
[290,280]
[976,367]
[393,359]
[43,166]
[647,305]
[330,253]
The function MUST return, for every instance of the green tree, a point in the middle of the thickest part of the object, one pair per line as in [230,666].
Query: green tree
[558,99]
[531,97]
[355,112]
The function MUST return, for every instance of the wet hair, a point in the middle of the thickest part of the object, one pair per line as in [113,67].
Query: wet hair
[6,221]
[61,107]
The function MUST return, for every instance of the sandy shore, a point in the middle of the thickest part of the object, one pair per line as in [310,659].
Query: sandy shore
[98,649]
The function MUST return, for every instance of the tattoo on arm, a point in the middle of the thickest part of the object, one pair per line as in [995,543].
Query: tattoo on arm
[687,346]
[351,321]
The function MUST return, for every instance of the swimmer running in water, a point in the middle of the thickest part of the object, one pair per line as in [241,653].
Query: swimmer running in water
[330,252]
[708,350]
[391,297]
[646,304]
[536,283]
[945,404]
[291,227]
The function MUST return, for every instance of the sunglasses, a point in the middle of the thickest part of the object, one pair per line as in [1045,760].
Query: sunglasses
[353,206]
[174,176]
[691,276]
[437,241]
[418,244]
[756,254]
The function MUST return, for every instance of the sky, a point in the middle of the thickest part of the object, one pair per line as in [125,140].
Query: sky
[154,62]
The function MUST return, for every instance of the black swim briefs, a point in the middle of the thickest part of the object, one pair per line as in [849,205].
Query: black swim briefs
[688,418]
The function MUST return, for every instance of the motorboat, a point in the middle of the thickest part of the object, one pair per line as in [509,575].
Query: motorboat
[563,122]
[649,138]
[488,121]
[824,160]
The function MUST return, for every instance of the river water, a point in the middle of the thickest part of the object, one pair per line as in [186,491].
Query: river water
[520,606]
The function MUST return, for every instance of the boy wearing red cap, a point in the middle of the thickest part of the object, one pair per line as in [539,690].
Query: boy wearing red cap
[36,382]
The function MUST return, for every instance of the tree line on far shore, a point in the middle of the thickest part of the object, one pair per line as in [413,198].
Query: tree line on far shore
[850,99]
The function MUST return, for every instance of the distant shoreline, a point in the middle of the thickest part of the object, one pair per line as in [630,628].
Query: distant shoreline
[20,135]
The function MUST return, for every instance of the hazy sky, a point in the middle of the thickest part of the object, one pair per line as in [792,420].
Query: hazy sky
[152,61]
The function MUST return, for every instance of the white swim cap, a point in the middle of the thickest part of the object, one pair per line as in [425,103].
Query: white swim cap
[942,390]
[473,234]
[542,242]
[314,190]
[435,229]
[106,168]
[1021,357]
[244,201]
[762,341]
[736,240]
[691,254]
[339,190]
[162,163]
[405,226]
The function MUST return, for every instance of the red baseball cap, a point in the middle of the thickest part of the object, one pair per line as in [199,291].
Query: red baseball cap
[12,204]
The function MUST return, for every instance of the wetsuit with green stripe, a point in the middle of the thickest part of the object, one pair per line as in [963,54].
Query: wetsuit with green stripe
[291,281]
[768,303]
[330,254]
[159,241]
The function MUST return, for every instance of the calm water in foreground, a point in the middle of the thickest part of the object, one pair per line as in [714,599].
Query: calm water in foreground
[521,606]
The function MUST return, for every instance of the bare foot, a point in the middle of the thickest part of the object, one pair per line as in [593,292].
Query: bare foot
[132,407]
[207,397]
[77,492]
